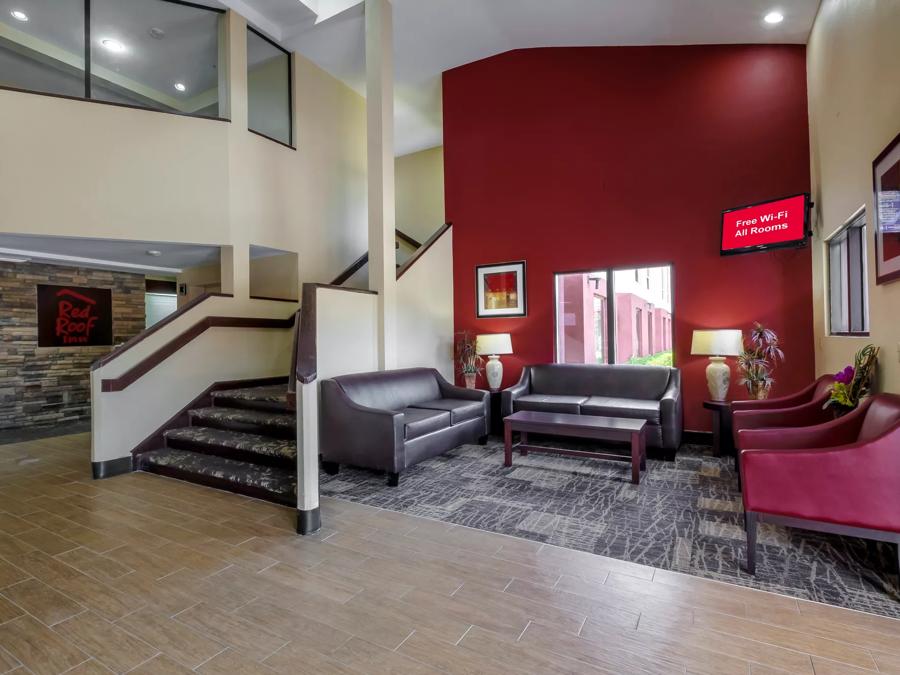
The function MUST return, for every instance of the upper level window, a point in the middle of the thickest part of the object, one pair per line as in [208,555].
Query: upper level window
[847,293]
[156,54]
[269,105]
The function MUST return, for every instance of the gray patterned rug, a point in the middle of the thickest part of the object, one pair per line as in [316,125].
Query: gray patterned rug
[684,516]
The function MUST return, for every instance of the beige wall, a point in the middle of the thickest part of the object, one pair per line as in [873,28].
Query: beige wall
[275,276]
[419,188]
[93,170]
[854,108]
[199,280]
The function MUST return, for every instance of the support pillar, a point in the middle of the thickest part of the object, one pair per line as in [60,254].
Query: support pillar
[380,146]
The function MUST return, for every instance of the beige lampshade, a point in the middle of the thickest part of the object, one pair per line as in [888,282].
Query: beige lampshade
[717,343]
[494,343]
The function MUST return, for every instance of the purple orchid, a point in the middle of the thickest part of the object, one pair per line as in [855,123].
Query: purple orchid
[845,376]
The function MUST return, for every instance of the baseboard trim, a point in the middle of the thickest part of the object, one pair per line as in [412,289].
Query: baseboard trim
[309,522]
[697,437]
[112,467]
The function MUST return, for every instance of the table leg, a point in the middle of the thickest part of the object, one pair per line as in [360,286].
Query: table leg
[717,433]
[507,444]
[643,451]
[523,439]
[636,458]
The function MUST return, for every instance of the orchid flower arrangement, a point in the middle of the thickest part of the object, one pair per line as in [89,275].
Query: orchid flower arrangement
[854,382]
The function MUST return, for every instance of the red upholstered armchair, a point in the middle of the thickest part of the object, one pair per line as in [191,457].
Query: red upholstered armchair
[801,409]
[841,477]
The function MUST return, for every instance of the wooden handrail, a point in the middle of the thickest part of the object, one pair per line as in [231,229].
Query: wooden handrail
[361,261]
[165,321]
[158,356]
[423,249]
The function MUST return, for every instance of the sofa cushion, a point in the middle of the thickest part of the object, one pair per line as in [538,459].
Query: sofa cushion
[627,381]
[550,403]
[418,422]
[391,389]
[460,409]
[632,408]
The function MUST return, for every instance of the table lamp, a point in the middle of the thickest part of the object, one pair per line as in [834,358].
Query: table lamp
[492,346]
[717,344]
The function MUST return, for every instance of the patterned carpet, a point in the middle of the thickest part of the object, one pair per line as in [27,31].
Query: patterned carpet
[684,516]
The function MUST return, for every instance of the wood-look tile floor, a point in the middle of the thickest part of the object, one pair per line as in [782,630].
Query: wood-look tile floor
[144,574]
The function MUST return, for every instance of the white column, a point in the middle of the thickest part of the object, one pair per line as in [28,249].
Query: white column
[380,146]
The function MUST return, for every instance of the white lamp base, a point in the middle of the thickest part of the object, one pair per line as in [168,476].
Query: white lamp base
[494,371]
[718,377]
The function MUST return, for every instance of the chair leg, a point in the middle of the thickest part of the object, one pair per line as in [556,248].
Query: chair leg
[482,440]
[750,522]
[393,479]
[331,468]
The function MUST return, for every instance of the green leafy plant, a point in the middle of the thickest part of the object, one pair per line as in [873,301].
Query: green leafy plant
[467,358]
[854,382]
[658,359]
[758,360]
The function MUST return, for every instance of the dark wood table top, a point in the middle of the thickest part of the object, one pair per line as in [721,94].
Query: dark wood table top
[716,405]
[585,421]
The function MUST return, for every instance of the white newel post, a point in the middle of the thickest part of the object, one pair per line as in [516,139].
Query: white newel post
[309,519]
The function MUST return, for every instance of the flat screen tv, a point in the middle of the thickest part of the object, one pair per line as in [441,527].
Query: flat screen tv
[780,223]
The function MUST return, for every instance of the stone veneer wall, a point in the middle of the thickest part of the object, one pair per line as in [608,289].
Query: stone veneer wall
[51,385]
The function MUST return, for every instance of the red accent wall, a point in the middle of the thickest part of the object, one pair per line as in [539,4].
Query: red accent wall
[582,158]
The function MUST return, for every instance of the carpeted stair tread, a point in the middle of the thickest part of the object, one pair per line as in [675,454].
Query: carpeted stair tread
[240,418]
[267,482]
[268,397]
[210,439]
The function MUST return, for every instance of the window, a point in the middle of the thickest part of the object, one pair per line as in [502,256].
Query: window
[847,294]
[156,54]
[634,306]
[269,77]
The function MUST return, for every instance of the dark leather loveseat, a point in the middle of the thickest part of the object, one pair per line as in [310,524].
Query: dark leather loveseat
[389,420]
[652,393]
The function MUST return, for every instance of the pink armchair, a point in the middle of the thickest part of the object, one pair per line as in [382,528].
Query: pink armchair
[841,477]
[801,409]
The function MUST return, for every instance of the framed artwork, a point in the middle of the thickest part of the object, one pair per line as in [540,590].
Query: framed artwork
[886,184]
[500,290]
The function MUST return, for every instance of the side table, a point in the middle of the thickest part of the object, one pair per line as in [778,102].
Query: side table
[723,441]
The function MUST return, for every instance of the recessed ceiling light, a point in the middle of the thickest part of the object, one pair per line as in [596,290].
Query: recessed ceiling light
[154,253]
[773,17]
[180,87]
[19,15]
[113,45]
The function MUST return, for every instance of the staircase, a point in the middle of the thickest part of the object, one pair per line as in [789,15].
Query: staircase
[244,442]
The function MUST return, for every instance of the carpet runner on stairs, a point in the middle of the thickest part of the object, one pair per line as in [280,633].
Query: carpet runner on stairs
[245,442]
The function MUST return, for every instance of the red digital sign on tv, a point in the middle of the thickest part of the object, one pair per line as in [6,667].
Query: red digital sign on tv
[781,223]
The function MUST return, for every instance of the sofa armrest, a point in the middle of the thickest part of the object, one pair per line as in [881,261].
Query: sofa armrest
[452,391]
[353,433]
[853,485]
[671,414]
[806,415]
[510,394]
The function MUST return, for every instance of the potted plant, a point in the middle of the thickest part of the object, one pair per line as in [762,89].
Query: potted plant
[854,382]
[758,360]
[467,358]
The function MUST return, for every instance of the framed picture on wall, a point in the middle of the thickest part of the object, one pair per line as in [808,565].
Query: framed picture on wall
[500,290]
[886,183]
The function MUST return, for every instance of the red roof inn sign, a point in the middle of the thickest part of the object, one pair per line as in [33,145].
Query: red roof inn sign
[69,316]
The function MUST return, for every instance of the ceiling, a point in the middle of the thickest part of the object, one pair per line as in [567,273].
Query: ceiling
[432,36]
[128,256]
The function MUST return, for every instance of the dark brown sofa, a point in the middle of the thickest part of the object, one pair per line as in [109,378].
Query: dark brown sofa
[652,393]
[389,420]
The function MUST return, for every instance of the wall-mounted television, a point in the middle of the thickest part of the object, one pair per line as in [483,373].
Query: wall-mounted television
[779,223]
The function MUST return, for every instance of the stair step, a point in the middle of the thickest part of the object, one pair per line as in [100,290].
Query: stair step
[263,423]
[238,445]
[263,482]
[271,398]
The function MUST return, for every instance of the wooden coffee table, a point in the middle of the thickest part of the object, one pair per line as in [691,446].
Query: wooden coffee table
[580,426]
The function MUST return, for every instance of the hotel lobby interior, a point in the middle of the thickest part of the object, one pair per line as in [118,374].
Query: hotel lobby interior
[449,336]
